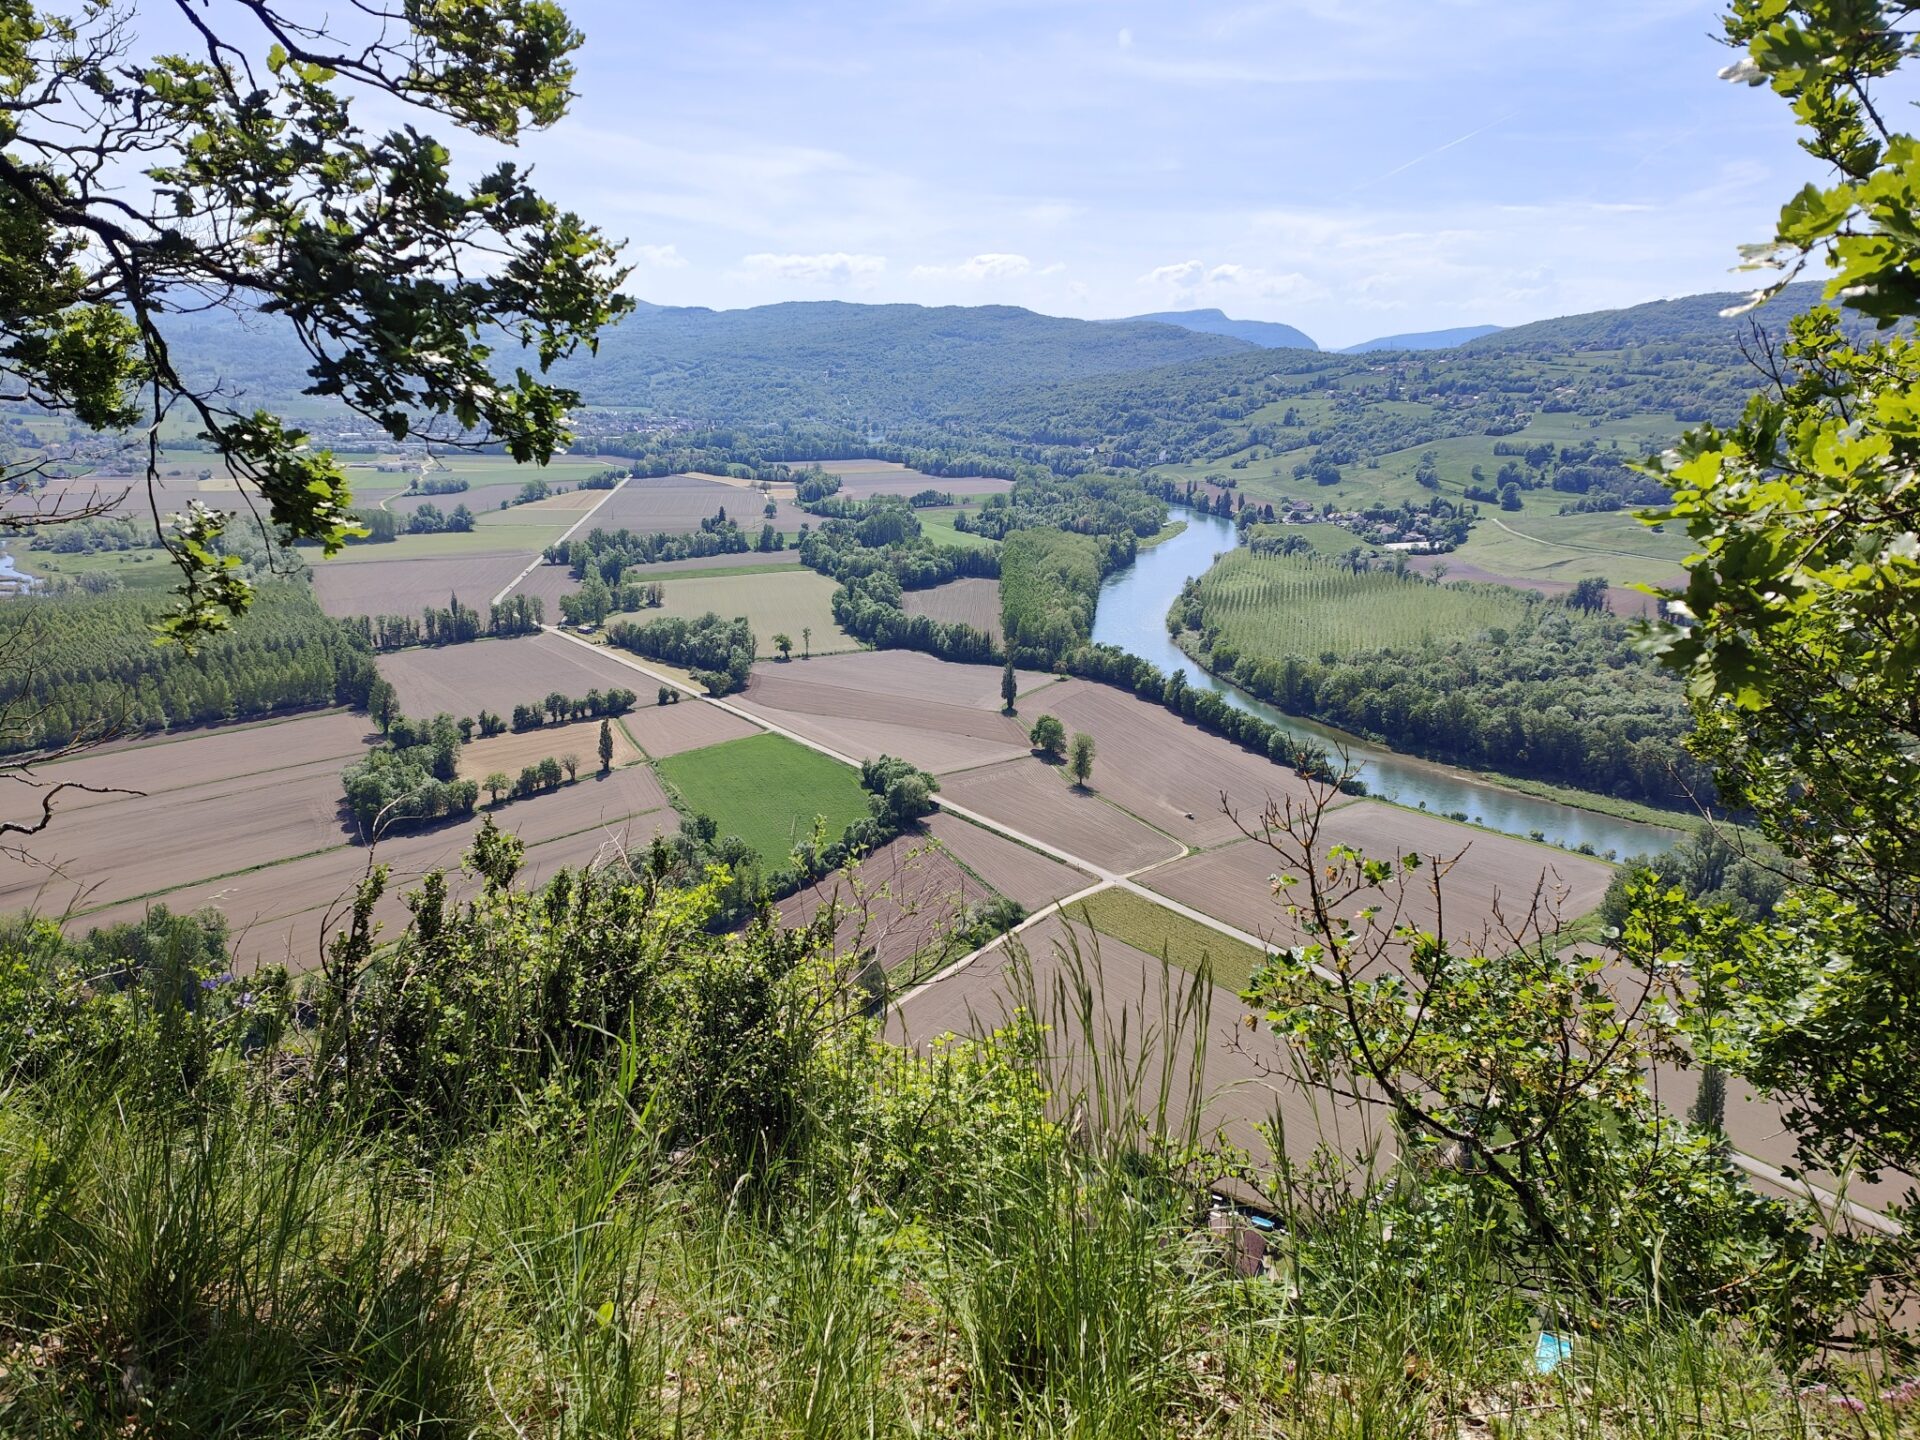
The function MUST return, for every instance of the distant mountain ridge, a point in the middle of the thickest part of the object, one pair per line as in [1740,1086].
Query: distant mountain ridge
[831,359]
[1267,334]
[1690,319]
[1423,339]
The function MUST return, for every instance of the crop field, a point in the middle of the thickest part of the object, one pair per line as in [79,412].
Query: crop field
[562,509]
[547,583]
[901,904]
[1493,875]
[781,602]
[751,562]
[511,751]
[1033,879]
[279,911]
[499,674]
[1162,769]
[678,503]
[878,673]
[972,602]
[689,725]
[861,478]
[767,790]
[525,540]
[1611,545]
[214,803]
[1273,606]
[1033,798]
[1621,600]
[396,586]
[863,722]
[1134,920]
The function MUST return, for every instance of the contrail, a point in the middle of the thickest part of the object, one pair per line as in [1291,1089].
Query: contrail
[1437,150]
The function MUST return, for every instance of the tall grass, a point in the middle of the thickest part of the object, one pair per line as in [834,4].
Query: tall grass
[994,1239]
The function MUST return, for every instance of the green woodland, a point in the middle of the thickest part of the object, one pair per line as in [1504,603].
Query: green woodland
[618,1154]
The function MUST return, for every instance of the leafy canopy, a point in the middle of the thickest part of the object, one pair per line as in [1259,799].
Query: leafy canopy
[233,175]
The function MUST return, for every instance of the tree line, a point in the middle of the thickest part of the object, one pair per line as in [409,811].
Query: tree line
[719,652]
[450,624]
[88,666]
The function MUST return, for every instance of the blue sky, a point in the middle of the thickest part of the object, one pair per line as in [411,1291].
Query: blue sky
[1354,167]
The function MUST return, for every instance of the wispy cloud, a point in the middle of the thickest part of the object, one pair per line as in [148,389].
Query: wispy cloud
[980,267]
[834,268]
[660,257]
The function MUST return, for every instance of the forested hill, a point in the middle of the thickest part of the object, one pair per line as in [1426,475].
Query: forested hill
[1269,334]
[1693,321]
[857,365]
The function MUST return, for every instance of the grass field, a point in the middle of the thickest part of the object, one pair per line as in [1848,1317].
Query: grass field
[1134,920]
[937,526]
[1273,606]
[529,540]
[773,601]
[767,790]
[1612,546]
[135,569]
[696,572]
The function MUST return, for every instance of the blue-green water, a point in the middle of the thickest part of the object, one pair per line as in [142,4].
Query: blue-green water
[1133,615]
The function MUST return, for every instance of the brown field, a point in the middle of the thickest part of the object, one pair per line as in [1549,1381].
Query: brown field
[279,913]
[667,569]
[934,735]
[164,764]
[1161,768]
[907,672]
[511,752]
[201,824]
[1496,871]
[407,586]
[902,903]
[1018,873]
[1035,799]
[973,602]
[499,674]
[481,499]
[548,583]
[861,478]
[678,503]
[565,506]
[1133,993]
[662,730]
[1622,600]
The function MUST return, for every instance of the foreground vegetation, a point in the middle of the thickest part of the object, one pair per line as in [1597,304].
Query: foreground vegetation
[566,1164]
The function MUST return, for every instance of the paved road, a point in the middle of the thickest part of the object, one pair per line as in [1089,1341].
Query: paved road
[539,559]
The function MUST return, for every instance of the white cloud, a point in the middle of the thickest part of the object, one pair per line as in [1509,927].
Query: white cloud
[993,266]
[833,268]
[1126,39]
[1181,275]
[661,257]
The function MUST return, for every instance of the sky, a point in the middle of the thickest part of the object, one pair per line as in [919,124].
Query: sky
[1351,167]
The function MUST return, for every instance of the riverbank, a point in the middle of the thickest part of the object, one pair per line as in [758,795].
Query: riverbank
[1638,812]
[1132,615]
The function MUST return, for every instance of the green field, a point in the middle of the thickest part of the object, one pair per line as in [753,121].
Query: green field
[1613,546]
[772,567]
[1273,606]
[481,540]
[1135,920]
[937,526]
[135,569]
[767,790]
[773,602]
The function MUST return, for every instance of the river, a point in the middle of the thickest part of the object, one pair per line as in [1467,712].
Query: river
[1133,616]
